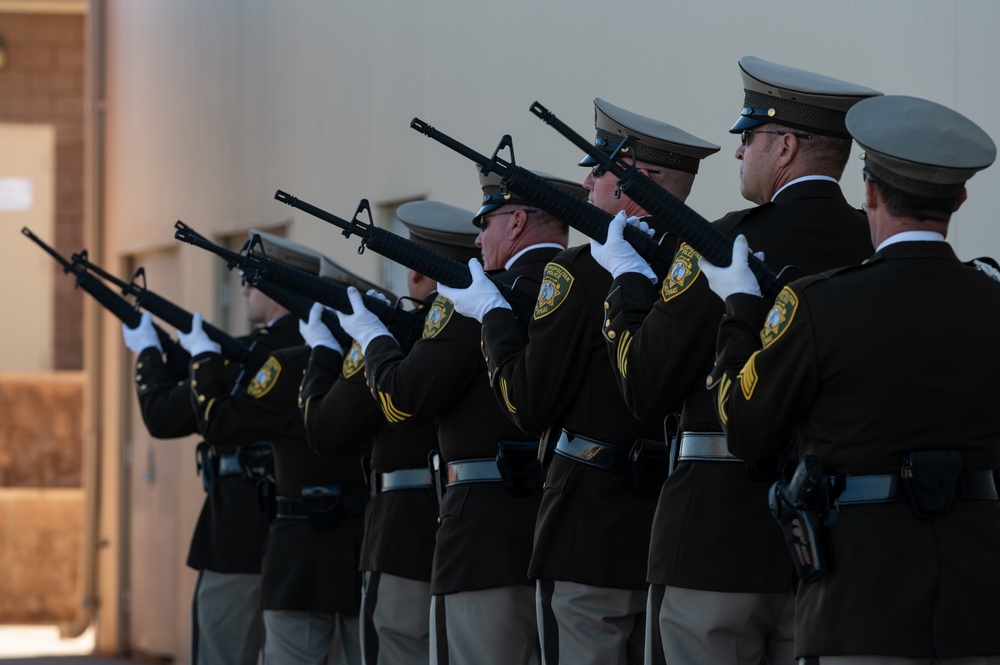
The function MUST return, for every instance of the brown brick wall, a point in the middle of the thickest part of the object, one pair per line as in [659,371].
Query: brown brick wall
[42,83]
[40,537]
[41,429]
[41,503]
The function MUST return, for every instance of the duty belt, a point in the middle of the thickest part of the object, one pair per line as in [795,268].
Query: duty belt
[973,485]
[607,456]
[229,465]
[705,447]
[293,507]
[402,479]
[472,471]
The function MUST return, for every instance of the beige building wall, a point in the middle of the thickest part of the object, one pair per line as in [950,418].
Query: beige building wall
[211,107]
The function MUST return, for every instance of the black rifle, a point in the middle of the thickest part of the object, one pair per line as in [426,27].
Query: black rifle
[414,256]
[665,208]
[230,347]
[297,289]
[124,311]
[578,213]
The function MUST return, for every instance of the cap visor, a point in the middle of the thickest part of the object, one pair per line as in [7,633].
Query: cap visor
[745,122]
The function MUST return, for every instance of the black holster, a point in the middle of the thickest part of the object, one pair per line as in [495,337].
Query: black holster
[804,509]
[519,465]
[321,504]
[256,460]
[930,478]
[435,466]
[649,466]
[267,496]
[207,464]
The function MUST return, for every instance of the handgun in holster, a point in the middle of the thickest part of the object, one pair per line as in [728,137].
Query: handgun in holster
[267,496]
[547,445]
[649,465]
[322,504]
[256,460]
[804,509]
[434,465]
[519,466]
[207,464]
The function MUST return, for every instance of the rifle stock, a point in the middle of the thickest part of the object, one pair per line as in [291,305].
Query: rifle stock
[579,214]
[415,256]
[122,309]
[666,208]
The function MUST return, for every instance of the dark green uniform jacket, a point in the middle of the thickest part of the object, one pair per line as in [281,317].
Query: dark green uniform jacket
[338,408]
[484,539]
[712,529]
[866,364]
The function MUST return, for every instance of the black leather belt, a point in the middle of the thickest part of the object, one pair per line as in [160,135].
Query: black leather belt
[472,471]
[404,479]
[607,456]
[229,465]
[293,507]
[973,485]
[705,447]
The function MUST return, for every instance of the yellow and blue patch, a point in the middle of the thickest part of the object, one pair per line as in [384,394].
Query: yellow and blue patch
[438,317]
[556,285]
[683,272]
[265,378]
[779,317]
[354,361]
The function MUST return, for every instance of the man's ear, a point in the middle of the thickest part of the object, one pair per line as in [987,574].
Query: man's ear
[960,200]
[518,225]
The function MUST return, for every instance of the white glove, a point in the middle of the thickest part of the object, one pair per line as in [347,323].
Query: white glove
[362,325]
[479,298]
[375,293]
[143,336]
[315,333]
[616,255]
[736,277]
[197,342]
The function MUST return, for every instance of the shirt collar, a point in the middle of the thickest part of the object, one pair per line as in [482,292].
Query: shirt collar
[527,249]
[802,179]
[911,236]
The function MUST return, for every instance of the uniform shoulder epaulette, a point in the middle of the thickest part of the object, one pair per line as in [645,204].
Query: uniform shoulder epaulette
[805,282]
[569,256]
[987,266]
[731,220]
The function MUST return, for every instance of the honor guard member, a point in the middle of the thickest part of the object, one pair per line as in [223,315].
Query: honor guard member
[482,609]
[592,535]
[720,587]
[402,517]
[891,409]
[310,588]
[228,540]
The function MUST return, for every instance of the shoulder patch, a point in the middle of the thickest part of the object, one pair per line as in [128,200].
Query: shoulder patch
[437,316]
[556,283]
[265,378]
[353,361]
[682,274]
[779,317]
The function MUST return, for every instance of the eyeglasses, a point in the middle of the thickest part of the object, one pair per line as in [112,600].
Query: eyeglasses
[746,133]
[600,170]
[485,219]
